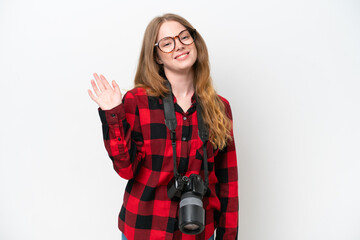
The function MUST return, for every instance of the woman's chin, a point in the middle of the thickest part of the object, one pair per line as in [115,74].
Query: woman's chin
[180,68]
[185,66]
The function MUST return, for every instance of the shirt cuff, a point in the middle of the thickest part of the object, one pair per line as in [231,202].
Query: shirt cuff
[112,116]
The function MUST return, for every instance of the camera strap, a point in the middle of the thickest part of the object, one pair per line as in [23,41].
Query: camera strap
[171,123]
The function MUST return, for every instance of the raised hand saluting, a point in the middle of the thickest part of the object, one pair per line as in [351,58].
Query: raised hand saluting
[107,97]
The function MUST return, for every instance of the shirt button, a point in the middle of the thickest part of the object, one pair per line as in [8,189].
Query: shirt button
[119,139]
[184,139]
[113,115]
[184,118]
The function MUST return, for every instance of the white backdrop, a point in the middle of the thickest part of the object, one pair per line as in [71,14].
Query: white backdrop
[290,70]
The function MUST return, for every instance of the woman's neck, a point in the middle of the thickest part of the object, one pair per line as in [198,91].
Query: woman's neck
[182,85]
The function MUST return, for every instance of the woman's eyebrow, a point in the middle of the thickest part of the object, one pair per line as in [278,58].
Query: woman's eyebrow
[172,36]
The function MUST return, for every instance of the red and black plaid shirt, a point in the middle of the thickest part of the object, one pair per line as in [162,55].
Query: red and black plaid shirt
[139,145]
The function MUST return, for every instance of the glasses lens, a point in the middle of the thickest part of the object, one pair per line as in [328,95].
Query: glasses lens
[166,44]
[186,38]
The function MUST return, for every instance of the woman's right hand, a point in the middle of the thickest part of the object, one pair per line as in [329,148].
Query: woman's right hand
[106,97]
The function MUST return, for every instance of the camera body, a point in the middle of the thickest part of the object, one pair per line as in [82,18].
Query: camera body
[190,190]
[182,184]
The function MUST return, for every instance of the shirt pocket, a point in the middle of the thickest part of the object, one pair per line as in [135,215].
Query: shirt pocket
[210,155]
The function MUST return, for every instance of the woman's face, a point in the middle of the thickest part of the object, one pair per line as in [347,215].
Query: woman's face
[183,57]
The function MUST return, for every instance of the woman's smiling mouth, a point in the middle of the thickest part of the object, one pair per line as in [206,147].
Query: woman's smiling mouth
[181,56]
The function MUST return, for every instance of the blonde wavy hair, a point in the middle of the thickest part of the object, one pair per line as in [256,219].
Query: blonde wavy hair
[148,76]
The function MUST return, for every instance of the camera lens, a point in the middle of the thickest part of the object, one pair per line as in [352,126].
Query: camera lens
[191,226]
[191,214]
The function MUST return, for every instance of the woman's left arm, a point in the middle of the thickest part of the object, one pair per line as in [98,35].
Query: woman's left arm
[226,171]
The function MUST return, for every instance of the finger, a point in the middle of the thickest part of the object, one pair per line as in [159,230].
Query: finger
[105,82]
[92,95]
[99,82]
[116,87]
[96,90]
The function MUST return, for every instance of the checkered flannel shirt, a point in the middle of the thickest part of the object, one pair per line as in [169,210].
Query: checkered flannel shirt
[139,145]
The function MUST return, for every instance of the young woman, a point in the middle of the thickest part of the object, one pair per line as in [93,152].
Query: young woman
[173,60]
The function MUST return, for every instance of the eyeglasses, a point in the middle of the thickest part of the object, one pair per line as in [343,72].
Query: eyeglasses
[167,44]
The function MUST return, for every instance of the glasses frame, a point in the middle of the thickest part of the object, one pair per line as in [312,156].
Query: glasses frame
[192,34]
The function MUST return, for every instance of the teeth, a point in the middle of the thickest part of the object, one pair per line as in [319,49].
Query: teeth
[181,56]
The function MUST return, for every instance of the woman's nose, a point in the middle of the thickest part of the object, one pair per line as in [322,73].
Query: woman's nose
[178,44]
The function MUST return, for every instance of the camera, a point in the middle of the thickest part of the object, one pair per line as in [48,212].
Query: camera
[190,190]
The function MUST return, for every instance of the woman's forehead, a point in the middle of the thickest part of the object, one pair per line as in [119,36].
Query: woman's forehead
[169,29]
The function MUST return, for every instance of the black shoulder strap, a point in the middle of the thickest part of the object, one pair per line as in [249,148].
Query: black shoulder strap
[204,136]
[170,117]
[171,123]
[203,131]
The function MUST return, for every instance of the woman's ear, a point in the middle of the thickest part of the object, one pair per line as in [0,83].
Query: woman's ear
[158,60]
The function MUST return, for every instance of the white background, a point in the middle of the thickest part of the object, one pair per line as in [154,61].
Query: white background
[290,70]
